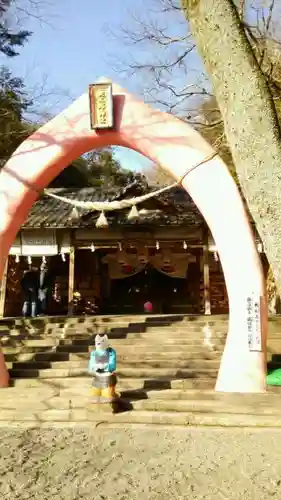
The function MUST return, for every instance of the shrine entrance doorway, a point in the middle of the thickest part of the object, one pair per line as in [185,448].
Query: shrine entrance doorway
[168,295]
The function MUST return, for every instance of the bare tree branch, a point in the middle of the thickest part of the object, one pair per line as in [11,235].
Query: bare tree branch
[169,6]
[165,62]
[241,10]
[162,62]
[40,10]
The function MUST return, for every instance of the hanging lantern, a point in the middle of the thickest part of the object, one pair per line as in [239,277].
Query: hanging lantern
[184,245]
[74,214]
[157,245]
[167,266]
[127,269]
[102,221]
[133,214]
[142,255]
[93,248]
[122,258]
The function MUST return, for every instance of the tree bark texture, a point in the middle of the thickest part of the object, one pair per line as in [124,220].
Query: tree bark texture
[248,112]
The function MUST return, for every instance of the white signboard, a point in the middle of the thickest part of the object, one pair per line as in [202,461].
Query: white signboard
[101,105]
[16,247]
[65,243]
[38,243]
[253,319]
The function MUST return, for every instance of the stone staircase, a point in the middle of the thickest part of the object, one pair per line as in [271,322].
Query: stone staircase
[167,368]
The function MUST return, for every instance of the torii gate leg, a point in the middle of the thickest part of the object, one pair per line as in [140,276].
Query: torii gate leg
[175,146]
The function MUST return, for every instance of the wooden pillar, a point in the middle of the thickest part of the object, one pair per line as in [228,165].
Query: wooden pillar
[206,273]
[3,288]
[197,281]
[71,277]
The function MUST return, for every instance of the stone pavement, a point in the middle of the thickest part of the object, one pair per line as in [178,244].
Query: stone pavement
[129,464]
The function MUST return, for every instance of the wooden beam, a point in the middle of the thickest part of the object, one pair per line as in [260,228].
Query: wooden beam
[3,289]
[71,278]
[206,273]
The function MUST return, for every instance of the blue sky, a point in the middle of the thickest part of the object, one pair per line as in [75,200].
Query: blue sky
[76,46]
[73,49]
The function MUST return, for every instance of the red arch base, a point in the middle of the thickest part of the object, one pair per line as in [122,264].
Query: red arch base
[175,146]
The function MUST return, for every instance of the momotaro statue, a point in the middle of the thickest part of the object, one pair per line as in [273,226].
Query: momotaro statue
[102,365]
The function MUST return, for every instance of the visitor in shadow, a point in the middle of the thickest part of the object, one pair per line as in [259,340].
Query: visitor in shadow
[30,287]
[46,279]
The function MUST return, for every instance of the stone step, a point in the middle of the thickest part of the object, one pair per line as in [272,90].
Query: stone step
[50,329]
[133,353]
[116,327]
[122,347]
[175,336]
[76,417]
[146,335]
[163,335]
[131,372]
[63,345]
[121,327]
[43,321]
[274,330]
[110,329]
[182,393]
[136,340]
[18,393]
[138,333]
[23,395]
[49,323]
[80,384]
[27,338]
[153,327]
[127,355]
[122,322]
[269,404]
[76,383]
[249,407]
[42,343]
[128,362]
[49,346]
[190,318]
[118,332]
[66,346]
[192,367]
[133,332]
[185,344]
[159,325]
[123,364]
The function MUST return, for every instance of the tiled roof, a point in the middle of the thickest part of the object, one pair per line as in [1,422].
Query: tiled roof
[172,208]
[175,208]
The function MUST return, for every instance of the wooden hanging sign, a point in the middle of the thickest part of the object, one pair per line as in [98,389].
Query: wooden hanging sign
[101,106]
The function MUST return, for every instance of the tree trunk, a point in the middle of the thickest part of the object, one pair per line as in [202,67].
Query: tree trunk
[248,112]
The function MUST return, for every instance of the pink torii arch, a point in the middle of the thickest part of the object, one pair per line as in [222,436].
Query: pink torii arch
[175,146]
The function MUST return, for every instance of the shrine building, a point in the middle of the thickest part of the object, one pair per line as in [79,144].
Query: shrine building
[165,255]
